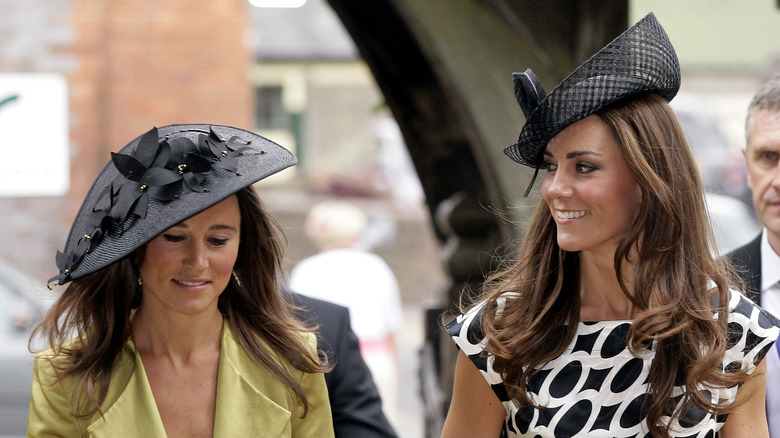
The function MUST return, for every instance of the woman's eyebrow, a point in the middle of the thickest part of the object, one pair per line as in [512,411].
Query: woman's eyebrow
[574,154]
[213,227]
[220,227]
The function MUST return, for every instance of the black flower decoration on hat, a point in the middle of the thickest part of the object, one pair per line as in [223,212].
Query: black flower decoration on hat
[192,166]
[226,151]
[66,261]
[157,169]
[144,175]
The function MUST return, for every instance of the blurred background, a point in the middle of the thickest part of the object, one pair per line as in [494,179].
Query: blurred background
[400,107]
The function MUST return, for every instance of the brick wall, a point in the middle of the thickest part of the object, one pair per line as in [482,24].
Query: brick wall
[131,65]
[150,63]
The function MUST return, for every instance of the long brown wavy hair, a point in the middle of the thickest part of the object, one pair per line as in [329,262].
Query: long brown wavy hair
[96,310]
[675,284]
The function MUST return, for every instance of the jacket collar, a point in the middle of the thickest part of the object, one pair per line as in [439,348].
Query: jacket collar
[242,409]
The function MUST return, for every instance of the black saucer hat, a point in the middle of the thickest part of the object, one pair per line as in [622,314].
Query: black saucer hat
[158,180]
[641,59]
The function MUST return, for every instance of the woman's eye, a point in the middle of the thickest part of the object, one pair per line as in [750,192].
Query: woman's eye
[585,168]
[548,166]
[173,237]
[218,241]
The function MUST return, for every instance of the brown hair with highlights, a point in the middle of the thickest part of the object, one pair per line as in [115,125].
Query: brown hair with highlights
[676,278]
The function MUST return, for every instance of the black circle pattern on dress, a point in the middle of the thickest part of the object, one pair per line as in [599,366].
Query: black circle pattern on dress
[597,388]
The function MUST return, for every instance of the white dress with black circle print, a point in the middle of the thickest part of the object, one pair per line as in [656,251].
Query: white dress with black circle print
[596,387]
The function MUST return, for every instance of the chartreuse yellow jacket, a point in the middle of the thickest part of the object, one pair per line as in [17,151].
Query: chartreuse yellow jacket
[250,403]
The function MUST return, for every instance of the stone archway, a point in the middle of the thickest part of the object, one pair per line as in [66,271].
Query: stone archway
[445,71]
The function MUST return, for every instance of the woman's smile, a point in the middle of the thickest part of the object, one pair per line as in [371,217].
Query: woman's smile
[190,283]
[563,216]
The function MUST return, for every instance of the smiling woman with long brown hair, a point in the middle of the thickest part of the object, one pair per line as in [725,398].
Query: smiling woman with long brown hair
[614,320]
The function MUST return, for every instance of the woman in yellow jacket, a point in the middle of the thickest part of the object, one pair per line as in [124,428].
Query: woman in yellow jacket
[173,324]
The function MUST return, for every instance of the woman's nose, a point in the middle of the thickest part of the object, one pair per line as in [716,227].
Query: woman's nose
[196,256]
[558,184]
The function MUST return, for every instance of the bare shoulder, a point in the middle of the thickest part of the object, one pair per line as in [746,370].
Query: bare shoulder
[475,409]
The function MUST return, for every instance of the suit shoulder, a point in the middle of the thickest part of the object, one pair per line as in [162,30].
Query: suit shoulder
[316,307]
[746,252]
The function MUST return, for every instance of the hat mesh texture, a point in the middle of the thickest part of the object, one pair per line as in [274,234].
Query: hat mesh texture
[642,59]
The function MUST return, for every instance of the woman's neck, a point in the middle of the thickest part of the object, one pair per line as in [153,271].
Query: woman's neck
[601,297]
[178,338]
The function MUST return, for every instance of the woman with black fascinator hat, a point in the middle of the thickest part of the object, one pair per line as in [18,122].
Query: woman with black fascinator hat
[172,323]
[614,320]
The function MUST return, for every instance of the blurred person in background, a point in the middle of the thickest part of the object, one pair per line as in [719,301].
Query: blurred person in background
[172,323]
[614,320]
[758,262]
[343,272]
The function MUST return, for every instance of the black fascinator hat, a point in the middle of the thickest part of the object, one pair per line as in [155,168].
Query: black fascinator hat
[158,180]
[640,60]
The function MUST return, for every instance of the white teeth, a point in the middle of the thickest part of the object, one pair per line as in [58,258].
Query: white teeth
[571,214]
[191,283]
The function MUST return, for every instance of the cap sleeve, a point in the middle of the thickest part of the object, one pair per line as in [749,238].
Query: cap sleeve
[466,331]
[752,333]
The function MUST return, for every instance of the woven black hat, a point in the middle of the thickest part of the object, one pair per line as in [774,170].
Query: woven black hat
[158,180]
[641,59]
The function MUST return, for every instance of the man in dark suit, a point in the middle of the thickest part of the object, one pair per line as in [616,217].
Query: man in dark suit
[758,262]
[747,260]
[354,398]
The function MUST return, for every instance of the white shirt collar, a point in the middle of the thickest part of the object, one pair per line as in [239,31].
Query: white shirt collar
[770,263]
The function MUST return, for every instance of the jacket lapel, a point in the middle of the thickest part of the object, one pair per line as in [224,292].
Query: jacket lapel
[242,408]
[134,412]
[747,261]
[753,275]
